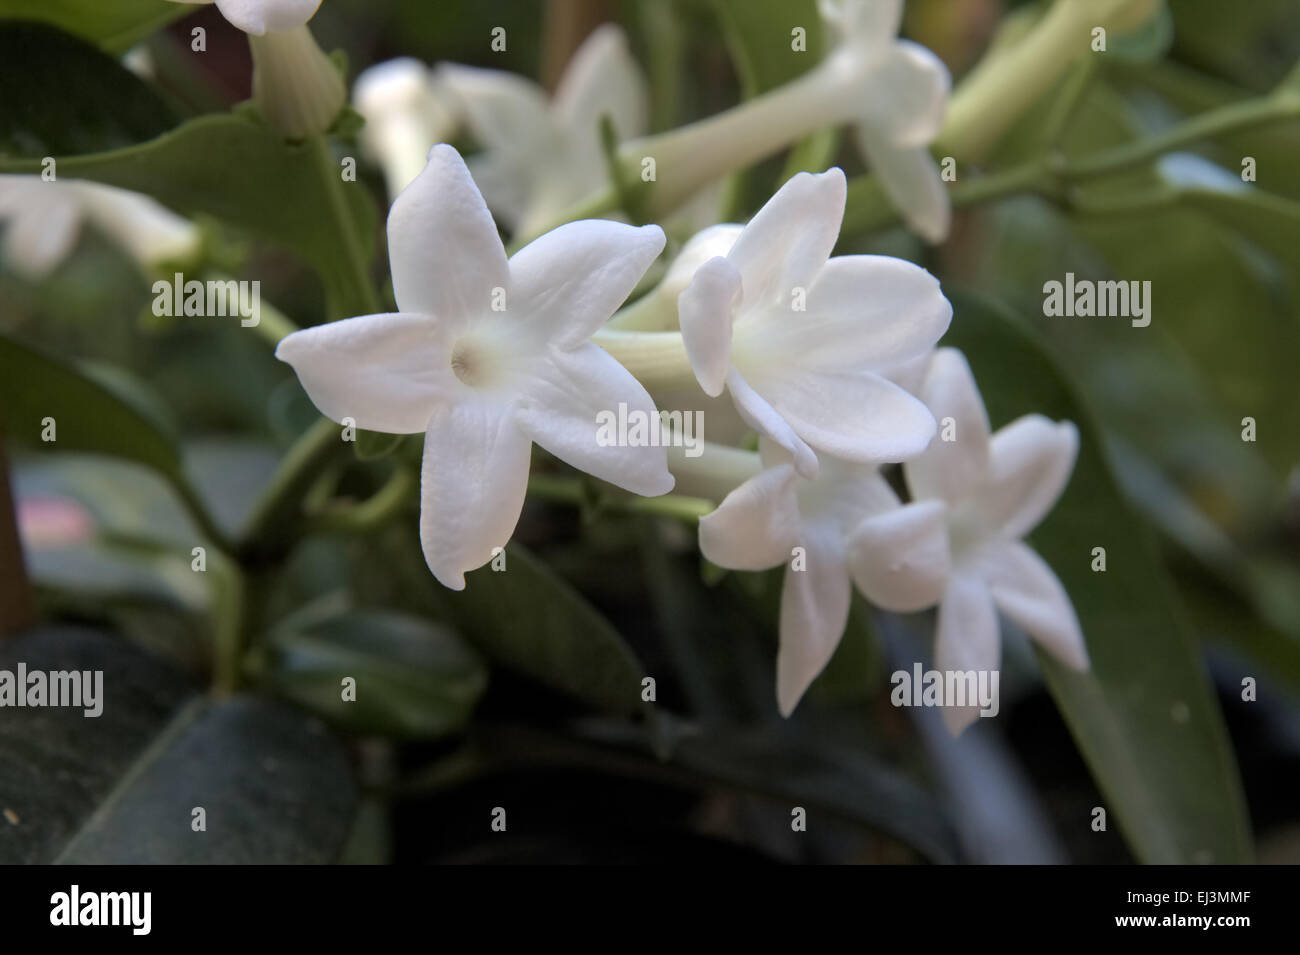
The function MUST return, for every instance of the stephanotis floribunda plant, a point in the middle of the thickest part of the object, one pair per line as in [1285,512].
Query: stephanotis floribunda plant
[875,472]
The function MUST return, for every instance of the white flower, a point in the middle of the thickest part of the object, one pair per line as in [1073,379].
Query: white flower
[800,339]
[404,117]
[901,96]
[959,543]
[758,526]
[541,156]
[44,220]
[257,17]
[485,356]
[298,90]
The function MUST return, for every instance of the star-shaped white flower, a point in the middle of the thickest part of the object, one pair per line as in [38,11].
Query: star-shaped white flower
[257,17]
[541,155]
[901,97]
[760,524]
[485,356]
[44,220]
[959,543]
[800,339]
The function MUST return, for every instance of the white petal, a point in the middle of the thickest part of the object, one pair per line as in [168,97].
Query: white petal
[705,310]
[568,282]
[259,16]
[966,638]
[1030,594]
[1030,461]
[791,237]
[472,487]
[444,248]
[900,558]
[855,416]
[150,232]
[908,91]
[40,236]
[765,419]
[814,612]
[911,179]
[561,408]
[863,312]
[602,79]
[386,372]
[869,24]
[506,112]
[756,525]
[951,469]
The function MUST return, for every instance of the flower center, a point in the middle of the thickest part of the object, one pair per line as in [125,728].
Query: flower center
[469,363]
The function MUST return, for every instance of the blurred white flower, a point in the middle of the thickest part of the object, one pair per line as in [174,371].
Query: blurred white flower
[485,356]
[959,543]
[405,117]
[900,98]
[257,17]
[540,155]
[801,340]
[760,524]
[44,220]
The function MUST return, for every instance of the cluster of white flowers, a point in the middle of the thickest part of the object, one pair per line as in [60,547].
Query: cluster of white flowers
[832,360]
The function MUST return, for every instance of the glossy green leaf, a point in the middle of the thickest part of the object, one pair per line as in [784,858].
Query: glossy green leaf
[121,787]
[234,168]
[87,415]
[529,619]
[760,37]
[414,678]
[115,25]
[1144,717]
[63,96]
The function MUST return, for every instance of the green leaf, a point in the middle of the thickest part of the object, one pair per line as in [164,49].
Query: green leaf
[529,619]
[234,168]
[88,416]
[1144,717]
[121,787]
[63,96]
[821,776]
[760,37]
[1270,220]
[116,26]
[414,678]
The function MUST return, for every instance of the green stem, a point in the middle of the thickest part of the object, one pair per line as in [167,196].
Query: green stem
[360,297]
[281,501]
[575,491]
[375,511]
[228,623]
[656,359]
[1052,176]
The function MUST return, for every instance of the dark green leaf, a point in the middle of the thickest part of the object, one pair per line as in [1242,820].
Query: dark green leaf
[413,678]
[529,619]
[122,787]
[760,37]
[88,416]
[116,26]
[1144,716]
[63,96]
[238,170]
